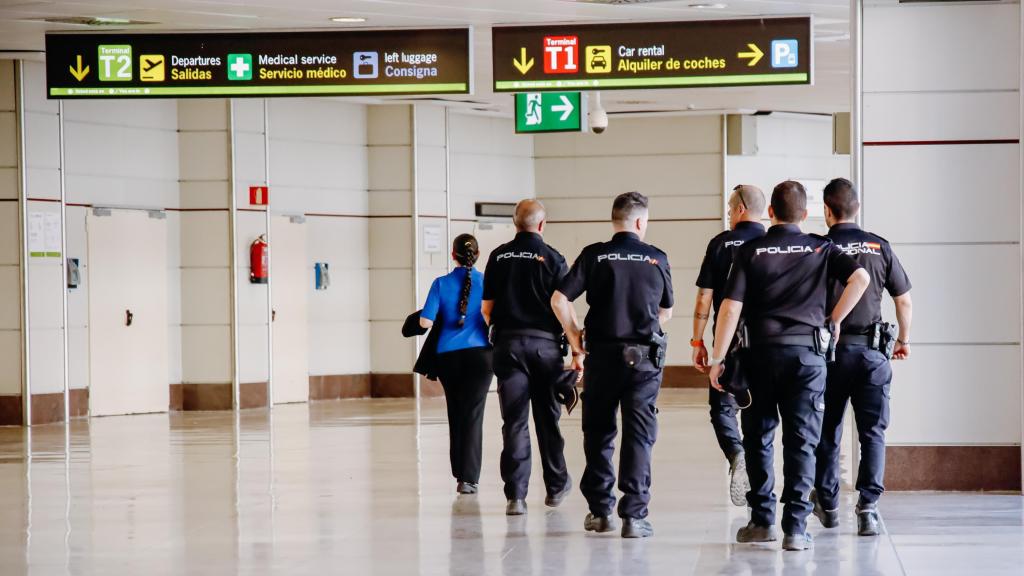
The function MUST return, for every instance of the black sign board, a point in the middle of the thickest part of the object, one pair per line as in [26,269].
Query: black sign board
[761,51]
[342,63]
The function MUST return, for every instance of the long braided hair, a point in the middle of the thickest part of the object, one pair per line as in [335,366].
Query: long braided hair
[466,251]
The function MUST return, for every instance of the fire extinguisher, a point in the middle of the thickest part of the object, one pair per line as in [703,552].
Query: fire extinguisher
[258,272]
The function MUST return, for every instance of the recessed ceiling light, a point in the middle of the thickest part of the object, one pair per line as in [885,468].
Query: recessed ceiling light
[347,19]
[703,6]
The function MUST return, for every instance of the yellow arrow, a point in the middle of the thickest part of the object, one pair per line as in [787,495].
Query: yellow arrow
[522,64]
[755,54]
[79,73]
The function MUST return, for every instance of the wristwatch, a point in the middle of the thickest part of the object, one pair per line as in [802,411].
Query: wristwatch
[715,361]
[903,342]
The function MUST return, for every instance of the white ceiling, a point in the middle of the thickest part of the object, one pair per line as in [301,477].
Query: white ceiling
[22,29]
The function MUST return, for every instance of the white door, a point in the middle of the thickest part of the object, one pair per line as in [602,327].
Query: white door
[291,278]
[128,345]
[490,235]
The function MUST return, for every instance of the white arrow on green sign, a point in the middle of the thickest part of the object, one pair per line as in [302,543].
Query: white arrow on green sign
[538,112]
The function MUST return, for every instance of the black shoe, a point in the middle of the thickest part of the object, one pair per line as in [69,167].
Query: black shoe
[466,488]
[867,520]
[515,508]
[797,542]
[739,482]
[636,528]
[828,518]
[754,533]
[554,500]
[599,524]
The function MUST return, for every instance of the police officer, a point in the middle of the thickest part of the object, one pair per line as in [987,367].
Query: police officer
[629,291]
[746,206]
[780,283]
[861,373]
[521,277]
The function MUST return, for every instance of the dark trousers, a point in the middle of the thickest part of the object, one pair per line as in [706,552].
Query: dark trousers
[787,383]
[466,376]
[608,384]
[861,376]
[724,420]
[527,369]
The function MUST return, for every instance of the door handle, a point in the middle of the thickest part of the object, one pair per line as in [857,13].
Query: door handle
[128,317]
[273,315]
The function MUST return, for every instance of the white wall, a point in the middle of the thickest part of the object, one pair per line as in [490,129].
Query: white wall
[951,211]
[675,160]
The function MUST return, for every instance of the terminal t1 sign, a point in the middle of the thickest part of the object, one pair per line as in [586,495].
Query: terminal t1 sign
[759,51]
[350,63]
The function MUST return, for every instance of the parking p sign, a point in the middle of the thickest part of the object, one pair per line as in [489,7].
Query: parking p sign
[785,53]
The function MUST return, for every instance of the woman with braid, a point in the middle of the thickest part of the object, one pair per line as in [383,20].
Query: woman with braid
[463,358]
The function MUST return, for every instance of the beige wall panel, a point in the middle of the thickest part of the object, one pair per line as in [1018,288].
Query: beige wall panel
[8,139]
[135,153]
[391,242]
[391,202]
[391,296]
[794,134]
[35,89]
[955,193]
[42,141]
[893,116]
[947,280]
[252,299]
[43,183]
[207,194]
[343,242]
[205,296]
[334,201]
[10,362]
[78,357]
[7,88]
[430,126]
[45,282]
[318,165]
[205,155]
[10,246]
[206,354]
[937,396]
[684,242]
[660,175]
[8,183]
[250,163]
[430,168]
[10,290]
[201,114]
[47,346]
[389,125]
[662,207]
[903,53]
[391,352]
[174,345]
[389,168]
[205,240]
[639,137]
[346,300]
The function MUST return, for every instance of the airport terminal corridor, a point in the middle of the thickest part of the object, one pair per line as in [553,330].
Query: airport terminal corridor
[362,487]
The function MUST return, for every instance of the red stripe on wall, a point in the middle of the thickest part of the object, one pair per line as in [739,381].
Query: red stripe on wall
[940,142]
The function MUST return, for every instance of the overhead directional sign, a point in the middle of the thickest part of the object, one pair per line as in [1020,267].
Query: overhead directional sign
[759,51]
[350,63]
[551,112]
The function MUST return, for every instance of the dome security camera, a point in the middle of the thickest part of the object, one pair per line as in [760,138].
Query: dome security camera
[598,116]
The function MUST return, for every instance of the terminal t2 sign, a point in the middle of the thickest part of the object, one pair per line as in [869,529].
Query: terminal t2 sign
[349,63]
[551,112]
[760,51]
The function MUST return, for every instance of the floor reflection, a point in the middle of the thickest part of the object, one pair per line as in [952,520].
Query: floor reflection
[363,487]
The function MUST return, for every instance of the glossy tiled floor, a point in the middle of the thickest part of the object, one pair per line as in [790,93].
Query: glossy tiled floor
[361,487]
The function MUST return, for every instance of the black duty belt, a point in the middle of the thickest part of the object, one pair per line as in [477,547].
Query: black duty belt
[787,340]
[856,340]
[528,333]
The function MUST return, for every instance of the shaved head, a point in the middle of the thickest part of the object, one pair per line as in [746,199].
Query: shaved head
[530,215]
[751,198]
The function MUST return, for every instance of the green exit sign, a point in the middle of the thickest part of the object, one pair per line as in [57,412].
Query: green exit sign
[551,112]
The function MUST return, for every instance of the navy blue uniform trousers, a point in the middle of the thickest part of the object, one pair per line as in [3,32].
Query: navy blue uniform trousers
[861,376]
[609,383]
[787,384]
[527,369]
[724,421]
